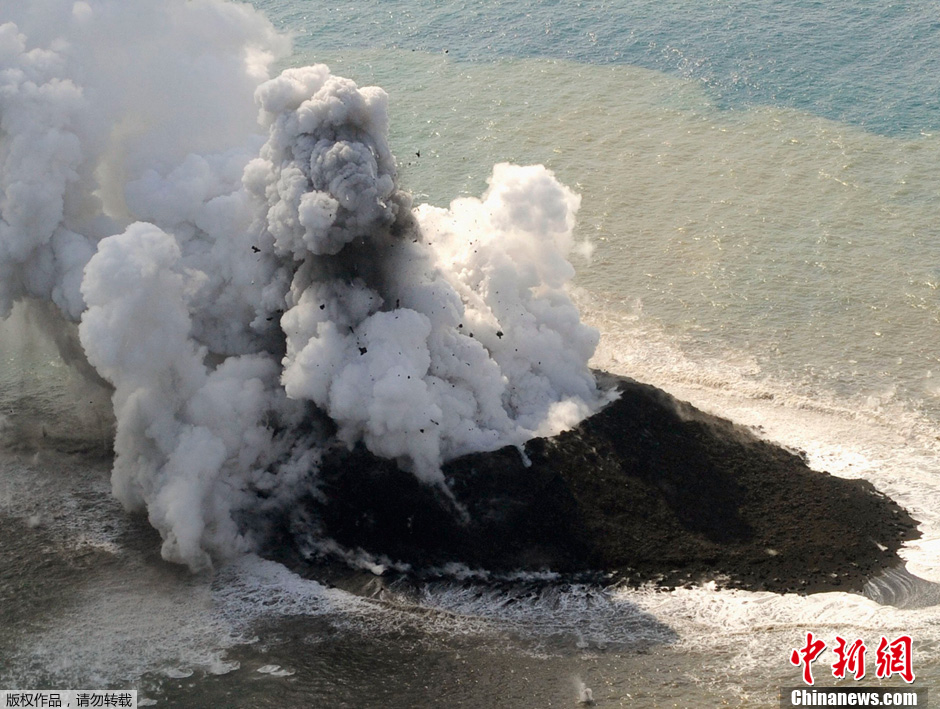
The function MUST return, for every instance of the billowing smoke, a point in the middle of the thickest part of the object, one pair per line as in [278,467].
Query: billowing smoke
[249,277]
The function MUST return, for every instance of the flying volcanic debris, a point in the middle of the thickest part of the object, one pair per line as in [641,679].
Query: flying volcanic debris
[248,276]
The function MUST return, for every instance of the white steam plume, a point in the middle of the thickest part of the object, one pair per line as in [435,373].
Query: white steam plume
[239,277]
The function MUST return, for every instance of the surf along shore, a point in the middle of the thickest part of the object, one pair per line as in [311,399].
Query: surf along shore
[649,489]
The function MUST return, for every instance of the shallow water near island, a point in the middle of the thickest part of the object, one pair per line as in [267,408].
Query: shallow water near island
[763,249]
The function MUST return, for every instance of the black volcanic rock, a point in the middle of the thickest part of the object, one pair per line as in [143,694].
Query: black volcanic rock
[648,489]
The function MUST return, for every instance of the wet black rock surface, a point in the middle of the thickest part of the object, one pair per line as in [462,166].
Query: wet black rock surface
[650,489]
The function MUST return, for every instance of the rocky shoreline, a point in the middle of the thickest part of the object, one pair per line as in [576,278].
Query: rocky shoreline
[648,490]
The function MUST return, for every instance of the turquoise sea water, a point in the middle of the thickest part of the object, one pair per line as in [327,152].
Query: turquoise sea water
[757,178]
[760,184]
[873,65]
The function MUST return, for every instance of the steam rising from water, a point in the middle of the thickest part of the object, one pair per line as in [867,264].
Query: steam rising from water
[252,282]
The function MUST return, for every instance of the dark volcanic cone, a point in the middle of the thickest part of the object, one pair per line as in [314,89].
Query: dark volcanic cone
[649,489]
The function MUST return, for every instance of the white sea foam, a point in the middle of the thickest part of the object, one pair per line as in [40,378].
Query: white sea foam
[674,194]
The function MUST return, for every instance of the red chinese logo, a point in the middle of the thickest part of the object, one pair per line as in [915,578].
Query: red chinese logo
[895,658]
[852,659]
[891,658]
[806,656]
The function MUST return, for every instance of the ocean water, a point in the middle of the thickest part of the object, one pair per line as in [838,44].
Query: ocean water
[759,184]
